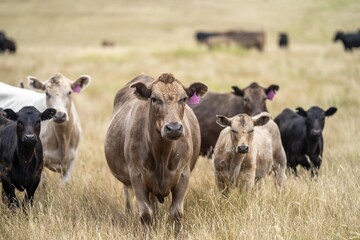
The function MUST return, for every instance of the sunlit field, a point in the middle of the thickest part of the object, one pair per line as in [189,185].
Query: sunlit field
[156,37]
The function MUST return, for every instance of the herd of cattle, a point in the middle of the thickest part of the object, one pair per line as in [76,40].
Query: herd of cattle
[157,131]
[256,39]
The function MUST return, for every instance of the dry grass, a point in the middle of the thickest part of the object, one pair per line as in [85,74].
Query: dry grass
[156,37]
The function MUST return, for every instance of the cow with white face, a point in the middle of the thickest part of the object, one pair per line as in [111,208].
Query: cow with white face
[61,135]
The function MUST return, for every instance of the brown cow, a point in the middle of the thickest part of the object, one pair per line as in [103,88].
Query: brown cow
[250,100]
[248,149]
[248,39]
[153,142]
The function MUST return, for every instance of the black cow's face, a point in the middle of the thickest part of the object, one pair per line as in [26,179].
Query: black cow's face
[28,123]
[338,36]
[315,119]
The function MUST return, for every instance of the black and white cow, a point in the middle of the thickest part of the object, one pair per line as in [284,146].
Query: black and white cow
[301,135]
[21,155]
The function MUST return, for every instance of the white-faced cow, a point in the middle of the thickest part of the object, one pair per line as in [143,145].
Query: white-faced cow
[248,149]
[153,142]
[250,100]
[21,154]
[61,135]
[301,135]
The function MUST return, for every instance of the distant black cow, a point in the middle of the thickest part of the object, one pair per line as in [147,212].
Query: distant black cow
[350,40]
[6,44]
[301,135]
[202,37]
[283,40]
[250,100]
[21,155]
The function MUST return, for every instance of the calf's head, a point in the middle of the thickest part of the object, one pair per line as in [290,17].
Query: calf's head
[28,123]
[315,119]
[167,98]
[338,36]
[255,96]
[58,90]
[242,129]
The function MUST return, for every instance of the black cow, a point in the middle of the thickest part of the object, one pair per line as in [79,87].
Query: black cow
[283,40]
[350,40]
[250,100]
[21,155]
[6,44]
[202,37]
[301,135]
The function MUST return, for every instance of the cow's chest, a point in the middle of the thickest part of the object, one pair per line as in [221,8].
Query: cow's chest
[22,176]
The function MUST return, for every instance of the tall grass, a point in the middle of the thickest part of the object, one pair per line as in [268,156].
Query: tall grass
[156,37]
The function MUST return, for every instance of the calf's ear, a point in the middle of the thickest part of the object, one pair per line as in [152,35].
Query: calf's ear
[331,111]
[80,83]
[10,114]
[271,91]
[141,91]
[34,83]
[223,121]
[237,91]
[301,111]
[48,114]
[261,119]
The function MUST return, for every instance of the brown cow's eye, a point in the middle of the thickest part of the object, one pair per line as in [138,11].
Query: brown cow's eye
[69,93]
[234,131]
[246,99]
[183,100]
[251,131]
[155,100]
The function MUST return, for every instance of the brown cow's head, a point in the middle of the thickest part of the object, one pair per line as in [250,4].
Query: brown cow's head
[255,96]
[58,90]
[167,98]
[242,129]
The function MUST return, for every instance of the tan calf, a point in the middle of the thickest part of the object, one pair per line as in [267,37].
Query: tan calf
[153,141]
[248,149]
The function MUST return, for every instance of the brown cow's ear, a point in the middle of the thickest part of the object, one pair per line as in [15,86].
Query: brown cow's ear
[223,121]
[49,113]
[237,91]
[331,111]
[261,119]
[80,83]
[141,91]
[272,87]
[301,111]
[10,114]
[34,83]
[199,88]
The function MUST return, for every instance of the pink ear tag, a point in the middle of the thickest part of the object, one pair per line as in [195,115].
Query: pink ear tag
[194,99]
[77,89]
[271,94]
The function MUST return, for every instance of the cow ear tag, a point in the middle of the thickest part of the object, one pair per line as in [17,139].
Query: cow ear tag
[194,99]
[271,94]
[77,89]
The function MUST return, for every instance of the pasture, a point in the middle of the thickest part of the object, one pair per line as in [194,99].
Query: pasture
[156,37]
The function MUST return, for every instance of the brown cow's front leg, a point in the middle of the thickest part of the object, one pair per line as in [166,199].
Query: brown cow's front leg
[142,199]
[178,195]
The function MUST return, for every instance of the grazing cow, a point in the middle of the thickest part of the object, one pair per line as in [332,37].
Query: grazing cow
[6,44]
[107,43]
[283,40]
[350,40]
[61,136]
[202,37]
[248,39]
[301,135]
[248,149]
[21,154]
[250,100]
[153,142]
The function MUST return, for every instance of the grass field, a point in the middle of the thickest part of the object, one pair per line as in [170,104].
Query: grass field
[158,36]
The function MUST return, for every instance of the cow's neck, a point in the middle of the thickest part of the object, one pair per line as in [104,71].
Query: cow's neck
[24,154]
[312,145]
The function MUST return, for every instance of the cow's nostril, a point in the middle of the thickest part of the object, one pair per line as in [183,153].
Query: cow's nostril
[60,117]
[29,137]
[315,132]
[174,127]
[242,149]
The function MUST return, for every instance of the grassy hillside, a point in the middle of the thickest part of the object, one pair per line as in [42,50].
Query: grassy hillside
[156,37]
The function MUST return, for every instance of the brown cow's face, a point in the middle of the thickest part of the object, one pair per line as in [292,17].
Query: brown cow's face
[168,99]
[58,90]
[242,129]
[255,96]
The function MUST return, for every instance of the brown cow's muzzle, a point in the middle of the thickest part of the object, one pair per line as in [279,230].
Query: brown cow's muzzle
[173,131]
[242,149]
